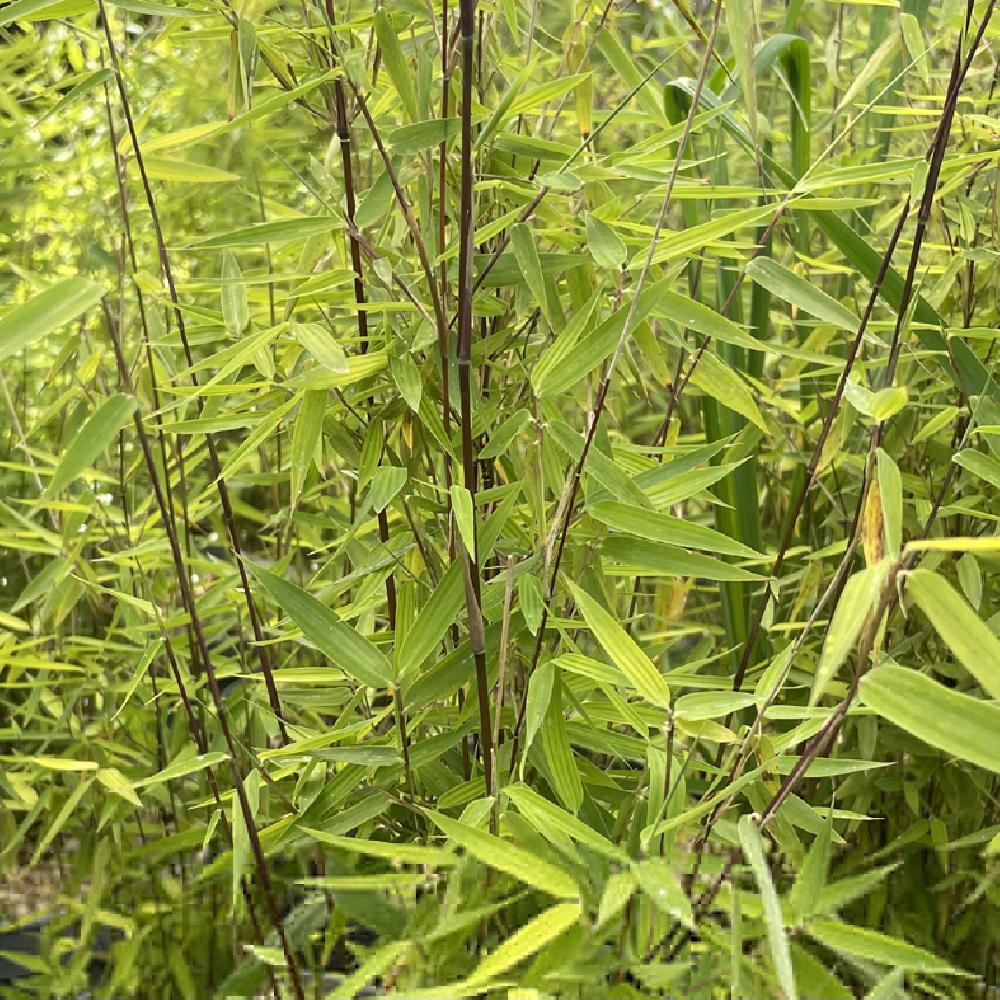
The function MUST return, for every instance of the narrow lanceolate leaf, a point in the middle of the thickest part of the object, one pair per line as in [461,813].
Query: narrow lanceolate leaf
[348,650]
[322,345]
[263,233]
[542,814]
[859,597]
[969,638]
[660,883]
[464,514]
[718,380]
[657,559]
[522,242]
[623,650]
[753,850]
[433,620]
[563,768]
[985,467]
[891,491]
[860,942]
[181,768]
[811,878]
[305,437]
[91,440]
[395,63]
[386,483]
[959,724]
[47,311]
[741,24]
[686,312]
[114,781]
[527,940]
[797,291]
[151,652]
[161,168]
[711,704]
[606,246]
[540,686]
[659,527]
[515,861]
[235,307]
[403,853]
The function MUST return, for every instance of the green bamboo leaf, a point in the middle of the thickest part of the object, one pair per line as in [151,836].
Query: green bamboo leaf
[961,725]
[114,781]
[91,440]
[43,10]
[396,64]
[873,946]
[686,312]
[515,861]
[241,852]
[406,375]
[160,168]
[306,436]
[433,620]
[503,436]
[88,83]
[985,467]
[351,652]
[606,246]
[543,815]
[322,345]
[623,650]
[523,943]
[811,877]
[711,704]
[715,378]
[969,638]
[563,767]
[411,139]
[913,39]
[465,517]
[618,891]
[235,307]
[741,25]
[753,851]
[657,526]
[182,768]
[151,652]
[47,311]
[376,201]
[540,686]
[67,810]
[274,233]
[859,597]
[386,483]
[598,465]
[890,486]
[659,882]
[394,851]
[522,242]
[790,287]
[657,559]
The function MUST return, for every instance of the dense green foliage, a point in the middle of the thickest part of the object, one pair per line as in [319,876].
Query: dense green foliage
[500,499]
